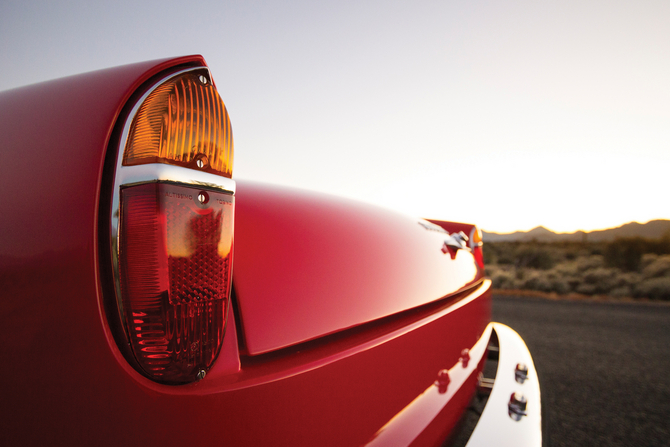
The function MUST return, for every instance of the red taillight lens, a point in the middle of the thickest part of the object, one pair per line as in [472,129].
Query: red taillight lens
[175,257]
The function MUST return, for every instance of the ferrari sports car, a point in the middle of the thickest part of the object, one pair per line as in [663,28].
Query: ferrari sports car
[149,298]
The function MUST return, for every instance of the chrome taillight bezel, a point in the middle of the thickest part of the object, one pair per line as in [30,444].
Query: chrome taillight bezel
[134,175]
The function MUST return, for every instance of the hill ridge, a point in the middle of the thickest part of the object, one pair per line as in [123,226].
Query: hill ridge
[654,229]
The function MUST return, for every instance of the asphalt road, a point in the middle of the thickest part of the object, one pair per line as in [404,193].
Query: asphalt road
[604,368]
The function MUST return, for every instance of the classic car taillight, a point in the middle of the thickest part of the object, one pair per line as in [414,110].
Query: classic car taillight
[172,227]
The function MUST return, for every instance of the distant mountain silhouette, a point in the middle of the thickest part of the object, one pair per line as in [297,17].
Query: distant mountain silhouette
[654,229]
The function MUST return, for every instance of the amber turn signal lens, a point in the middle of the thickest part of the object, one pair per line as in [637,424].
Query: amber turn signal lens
[476,236]
[183,122]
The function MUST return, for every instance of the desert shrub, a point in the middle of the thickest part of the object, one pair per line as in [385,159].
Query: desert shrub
[560,285]
[589,262]
[598,275]
[535,257]
[621,292]
[654,288]
[597,280]
[568,268]
[505,252]
[596,249]
[532,280]
[586,289]
[647,259]
[626,279]
[625,253]
[654,266]
[628,267]
[502,279]
[490,255]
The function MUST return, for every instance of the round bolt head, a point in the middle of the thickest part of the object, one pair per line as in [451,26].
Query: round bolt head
[465,357]
[203,197]
[199,163]
[201,374]
[517,406]
[203,79]
[521,372]
[442,381]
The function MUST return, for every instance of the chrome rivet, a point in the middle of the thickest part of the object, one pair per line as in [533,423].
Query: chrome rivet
[203,197]
[201,374]
[203,79]
[442,381]
[199,163]
[521,373]
[517,406]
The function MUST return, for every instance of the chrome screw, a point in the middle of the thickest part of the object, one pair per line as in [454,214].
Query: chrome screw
[517,406]
[521,373]
[199,163]
[201,198]
[203,79]
[201,374]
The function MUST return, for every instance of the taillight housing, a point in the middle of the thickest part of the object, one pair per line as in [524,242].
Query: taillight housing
[172,228]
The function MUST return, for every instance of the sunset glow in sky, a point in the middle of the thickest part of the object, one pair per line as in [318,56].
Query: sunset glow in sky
[506,114]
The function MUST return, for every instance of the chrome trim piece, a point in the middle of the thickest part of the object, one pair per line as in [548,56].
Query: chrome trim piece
[496,425]
[430,226]
[458,241]
[159,172]
[153,172]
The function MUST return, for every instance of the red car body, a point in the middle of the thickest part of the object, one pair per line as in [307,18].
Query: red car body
[342,317]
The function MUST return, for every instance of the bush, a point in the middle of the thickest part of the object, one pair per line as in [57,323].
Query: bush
[589,262]
[586,268]
[653,266]
[535,257]
[502,279]
[654,288]
[621,292]
[625,253]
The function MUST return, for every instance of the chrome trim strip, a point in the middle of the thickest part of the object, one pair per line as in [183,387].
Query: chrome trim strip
[496,426]
[153,172]
[133,175]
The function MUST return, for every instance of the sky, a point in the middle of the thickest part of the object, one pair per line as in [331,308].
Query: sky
[506,114]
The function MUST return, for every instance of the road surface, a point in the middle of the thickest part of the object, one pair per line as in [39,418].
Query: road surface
[604,368]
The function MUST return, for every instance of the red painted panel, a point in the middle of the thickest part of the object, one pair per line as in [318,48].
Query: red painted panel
[65,380]
[54,138]
[453,227]
[336,393]
[307,264]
